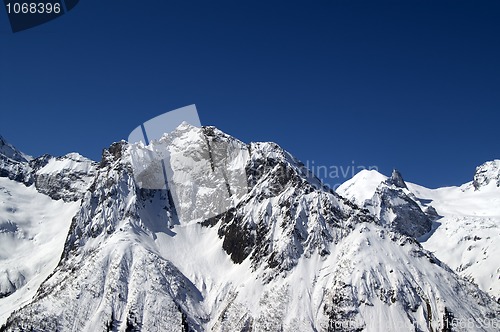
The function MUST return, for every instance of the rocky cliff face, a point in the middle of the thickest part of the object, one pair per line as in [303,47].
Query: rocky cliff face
[65,177]
[487,174]
[285,216]
[10,152]
[395,207]
[13,163]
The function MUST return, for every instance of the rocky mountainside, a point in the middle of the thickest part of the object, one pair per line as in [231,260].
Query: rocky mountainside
[9,152]
[487,175]
[39,197]
[465,231]
[393,204]
[245,240]
[63,178]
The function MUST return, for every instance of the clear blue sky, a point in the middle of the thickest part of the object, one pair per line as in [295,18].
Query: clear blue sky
[413,85]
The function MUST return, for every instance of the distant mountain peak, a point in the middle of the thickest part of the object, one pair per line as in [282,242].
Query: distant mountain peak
[389,200]
[9,151]
[396,179]
[487,173]
[362,186]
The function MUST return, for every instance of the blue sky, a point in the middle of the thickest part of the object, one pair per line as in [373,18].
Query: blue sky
[413,85]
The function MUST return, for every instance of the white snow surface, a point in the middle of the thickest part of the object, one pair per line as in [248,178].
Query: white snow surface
[466,236]
[72,161]
[33,228]
[362,186]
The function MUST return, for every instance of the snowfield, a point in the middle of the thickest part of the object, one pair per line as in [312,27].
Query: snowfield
[33,229]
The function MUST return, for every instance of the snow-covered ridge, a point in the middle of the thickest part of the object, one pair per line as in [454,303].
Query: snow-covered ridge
[9,151]
[33,229]
[66,177]
[389,199]
[362,186]
[466,221]
[487,174]
[288,254]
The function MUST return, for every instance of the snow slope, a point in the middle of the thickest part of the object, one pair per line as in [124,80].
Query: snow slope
[38,199]
[466,230]
[33,229]
[467,237]
[362,186]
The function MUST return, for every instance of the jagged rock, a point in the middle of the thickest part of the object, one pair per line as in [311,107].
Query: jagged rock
[395,207]
[10,152]
[487,173]
[431,212]
[65,177]
[396,180]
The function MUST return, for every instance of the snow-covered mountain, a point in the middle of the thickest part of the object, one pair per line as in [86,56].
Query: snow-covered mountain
[487,176]
[466,220]
[39,197]
[285,254]
[393,205]
[7,151]
[65,177]
[33,229]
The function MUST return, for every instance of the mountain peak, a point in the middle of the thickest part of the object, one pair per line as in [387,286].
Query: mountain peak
[396,179]
[9,151]
[362,186]
[487,173]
